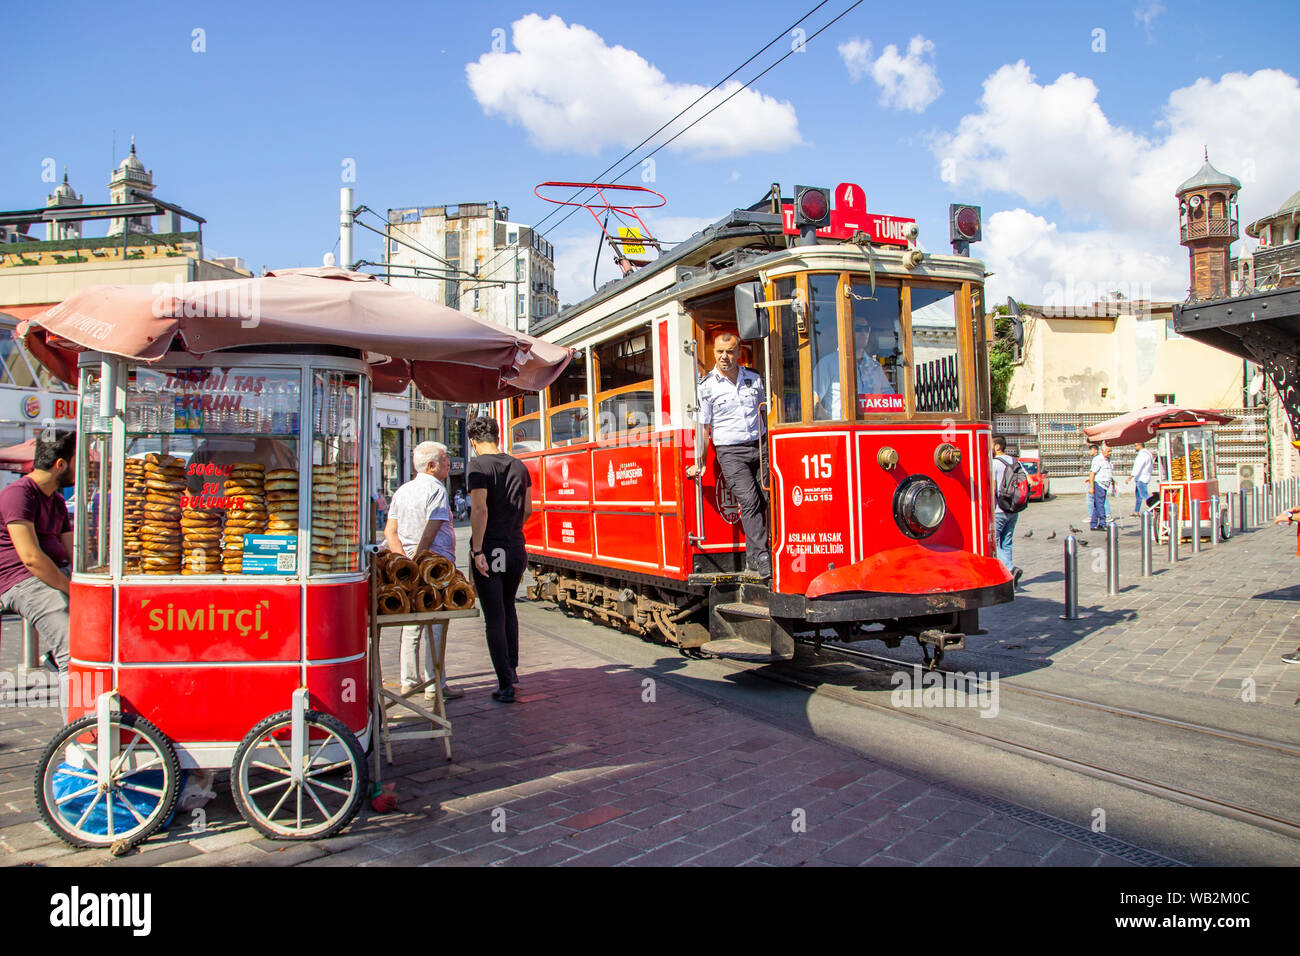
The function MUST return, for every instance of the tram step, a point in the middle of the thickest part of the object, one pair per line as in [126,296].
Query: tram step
[743,609]
[736,648]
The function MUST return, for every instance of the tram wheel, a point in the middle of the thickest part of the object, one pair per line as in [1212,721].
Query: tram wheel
[143,784]
[327,797]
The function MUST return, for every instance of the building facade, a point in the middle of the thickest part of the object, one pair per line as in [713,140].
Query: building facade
[469,257]
[36,274]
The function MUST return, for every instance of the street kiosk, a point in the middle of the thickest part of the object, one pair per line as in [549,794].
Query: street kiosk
[221,610]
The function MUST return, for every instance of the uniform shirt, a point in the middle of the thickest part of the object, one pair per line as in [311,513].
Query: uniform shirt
[1142,467]
[871,380]
[24,501]
[415,504]
[732,410]
[1101,471]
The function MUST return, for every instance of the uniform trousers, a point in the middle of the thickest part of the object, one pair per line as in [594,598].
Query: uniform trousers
[744,469]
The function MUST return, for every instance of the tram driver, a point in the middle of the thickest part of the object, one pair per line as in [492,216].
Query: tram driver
[730,414]
[870,377]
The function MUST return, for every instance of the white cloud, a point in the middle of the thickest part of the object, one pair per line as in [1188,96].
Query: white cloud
[1146,13]
[573,92]
[907,81]
[1053,146]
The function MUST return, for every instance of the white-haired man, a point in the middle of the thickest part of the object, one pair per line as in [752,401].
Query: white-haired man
[419,519]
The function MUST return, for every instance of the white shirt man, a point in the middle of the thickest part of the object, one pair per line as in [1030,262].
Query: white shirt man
[1142,465]
[419,519]
[871,380]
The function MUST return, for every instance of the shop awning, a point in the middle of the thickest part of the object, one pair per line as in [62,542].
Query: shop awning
[1141,425]
[447,354]
[20,455]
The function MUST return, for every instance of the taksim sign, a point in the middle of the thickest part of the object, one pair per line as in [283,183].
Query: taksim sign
[849,215]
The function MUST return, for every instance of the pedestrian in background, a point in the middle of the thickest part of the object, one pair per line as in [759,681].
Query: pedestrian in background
[420,520]
[1092,503]
[1101,480]
[1004,522]
[1140,476]
[499,505]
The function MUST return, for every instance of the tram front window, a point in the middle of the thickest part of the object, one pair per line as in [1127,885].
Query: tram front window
[877,355]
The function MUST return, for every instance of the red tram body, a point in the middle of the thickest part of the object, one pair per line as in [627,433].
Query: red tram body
[620,534]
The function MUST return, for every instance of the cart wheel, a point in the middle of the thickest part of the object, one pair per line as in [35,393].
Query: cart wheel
[1225,525]
[333,785]
[144,783]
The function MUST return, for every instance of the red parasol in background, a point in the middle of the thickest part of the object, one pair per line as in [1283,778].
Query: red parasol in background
[1141,425]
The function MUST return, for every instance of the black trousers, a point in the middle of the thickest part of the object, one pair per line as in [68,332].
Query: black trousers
[745,471]
[496,596]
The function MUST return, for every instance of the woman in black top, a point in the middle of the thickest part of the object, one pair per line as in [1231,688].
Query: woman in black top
[499,506]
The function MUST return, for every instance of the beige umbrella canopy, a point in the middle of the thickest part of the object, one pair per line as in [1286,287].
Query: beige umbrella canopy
[449,355]
[1141,425]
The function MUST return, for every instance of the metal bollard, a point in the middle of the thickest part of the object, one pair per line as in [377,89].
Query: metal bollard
[1254,506]
[1242,495]
[1214,520]
[1146,544]
[1112,558]
[1196,527]
[1071,579]
[1175,530]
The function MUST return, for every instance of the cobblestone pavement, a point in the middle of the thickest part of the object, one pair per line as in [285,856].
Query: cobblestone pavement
[583,770]
[1217,623]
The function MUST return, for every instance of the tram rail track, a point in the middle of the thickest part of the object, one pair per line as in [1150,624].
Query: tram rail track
[1005,686]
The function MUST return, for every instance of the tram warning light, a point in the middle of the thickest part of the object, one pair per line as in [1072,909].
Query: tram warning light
[964,227]
[812,208]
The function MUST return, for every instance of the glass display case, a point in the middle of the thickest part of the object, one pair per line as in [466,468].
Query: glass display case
[1187,454]
[212,469]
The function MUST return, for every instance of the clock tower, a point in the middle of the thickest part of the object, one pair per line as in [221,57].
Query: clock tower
[1207,220]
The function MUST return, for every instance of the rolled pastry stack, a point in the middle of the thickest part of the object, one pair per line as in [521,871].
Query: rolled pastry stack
[200,541]
[133,515]
[282,501]
[160,531]
[324,516]
[347,533]
[247,514]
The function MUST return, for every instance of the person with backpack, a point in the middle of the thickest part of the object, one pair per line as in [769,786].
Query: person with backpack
[1010,497]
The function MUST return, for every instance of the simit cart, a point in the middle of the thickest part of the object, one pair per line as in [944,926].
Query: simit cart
[220,597]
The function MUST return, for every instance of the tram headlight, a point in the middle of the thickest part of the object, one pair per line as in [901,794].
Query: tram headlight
[919,507]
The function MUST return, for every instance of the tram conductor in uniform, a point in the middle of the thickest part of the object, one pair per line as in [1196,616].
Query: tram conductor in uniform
[730,414]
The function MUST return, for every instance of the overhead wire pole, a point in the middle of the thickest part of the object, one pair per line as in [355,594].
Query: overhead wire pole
[688,108]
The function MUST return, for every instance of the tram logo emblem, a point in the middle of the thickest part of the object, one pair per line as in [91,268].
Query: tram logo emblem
[796,496]
[564,471]
[609,475]
[726,502]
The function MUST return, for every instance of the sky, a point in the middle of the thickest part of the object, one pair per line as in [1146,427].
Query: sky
[1070,125]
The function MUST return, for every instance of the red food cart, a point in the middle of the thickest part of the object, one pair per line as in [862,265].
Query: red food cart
[220,594]
[1185,463]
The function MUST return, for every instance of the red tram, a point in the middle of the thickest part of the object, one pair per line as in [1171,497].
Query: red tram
[881,522]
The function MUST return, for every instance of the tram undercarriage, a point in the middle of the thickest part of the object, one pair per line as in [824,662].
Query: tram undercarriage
[726,616]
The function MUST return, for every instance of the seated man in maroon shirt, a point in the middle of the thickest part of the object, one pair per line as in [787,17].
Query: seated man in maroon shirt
[36,544]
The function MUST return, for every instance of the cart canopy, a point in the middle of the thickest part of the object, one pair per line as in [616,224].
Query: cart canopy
[1141,425]
[449,355]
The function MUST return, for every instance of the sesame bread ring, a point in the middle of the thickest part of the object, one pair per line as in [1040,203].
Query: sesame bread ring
[155,458]
[281,473]
[401,572]
[393,601]
[254,466]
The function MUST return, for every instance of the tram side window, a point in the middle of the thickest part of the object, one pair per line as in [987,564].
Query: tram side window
[934,344]
[526,422]
[787,387]
[567,404]
[625,383]
[824,339]
[878,356]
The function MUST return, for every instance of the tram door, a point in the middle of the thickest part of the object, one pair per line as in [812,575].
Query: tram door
[711,316]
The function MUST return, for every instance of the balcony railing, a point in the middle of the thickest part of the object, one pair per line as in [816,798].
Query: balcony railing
[1209,228]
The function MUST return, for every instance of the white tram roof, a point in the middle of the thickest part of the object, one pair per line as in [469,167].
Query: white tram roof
[718,256]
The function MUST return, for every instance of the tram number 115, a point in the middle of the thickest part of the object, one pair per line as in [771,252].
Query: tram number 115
[816,466]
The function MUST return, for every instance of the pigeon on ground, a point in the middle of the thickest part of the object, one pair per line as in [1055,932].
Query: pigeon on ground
[1083,543]
[1051,536]
[1074,530]
[1028,534]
